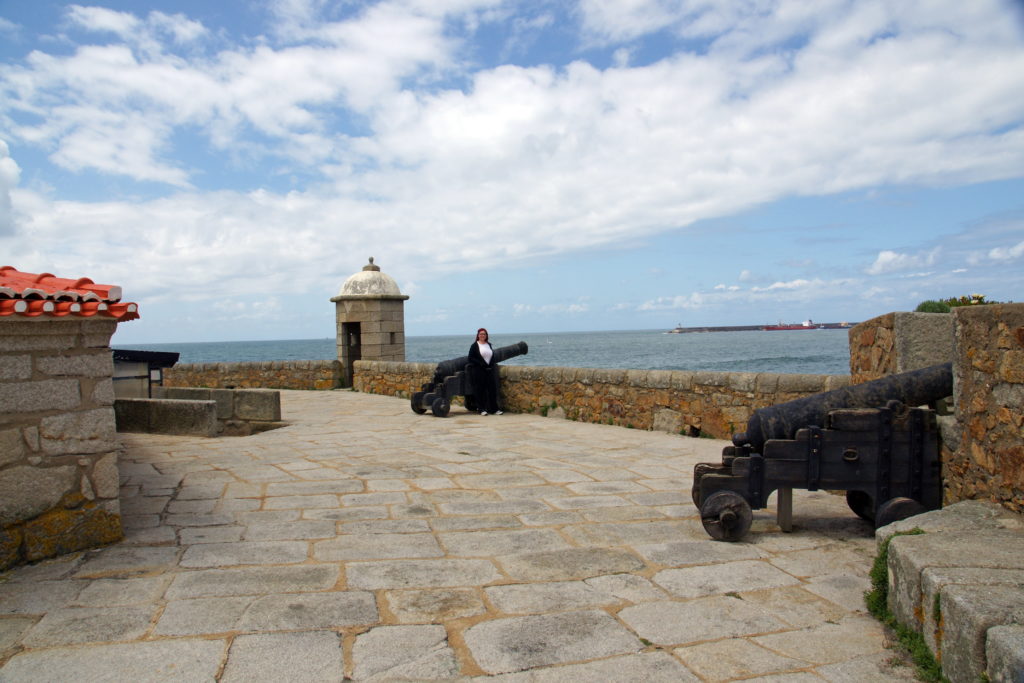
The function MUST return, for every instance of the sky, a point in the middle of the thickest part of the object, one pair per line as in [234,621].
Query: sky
[530,166]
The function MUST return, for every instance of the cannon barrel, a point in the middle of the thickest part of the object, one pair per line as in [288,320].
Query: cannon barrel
[446,368]
[782,421]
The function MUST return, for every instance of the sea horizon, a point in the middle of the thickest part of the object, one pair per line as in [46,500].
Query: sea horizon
[814,351]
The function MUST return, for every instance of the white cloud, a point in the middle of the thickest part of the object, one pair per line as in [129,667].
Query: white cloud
[785,101]
[9,175]
[889,261]
[1007,253]
[101,19]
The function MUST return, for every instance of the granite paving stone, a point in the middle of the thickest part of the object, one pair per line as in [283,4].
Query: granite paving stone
[211,534]
[531,598]
[646,667]
[728,577]
[681,623]
[141,662]
[420,573]
[201,616]
[518,643]
[726,660]
[309,611]
[434,604]
[253,581]
[572,563]
[377,546]
[110,592]
[71,625]
[281,531]
[244,552]
[363,540]
[388,653]
[500,542]
[274,657]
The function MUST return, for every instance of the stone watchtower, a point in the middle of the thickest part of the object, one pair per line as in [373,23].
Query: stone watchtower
[370,316]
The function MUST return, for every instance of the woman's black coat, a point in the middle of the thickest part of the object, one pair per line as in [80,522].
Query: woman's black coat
[483,378]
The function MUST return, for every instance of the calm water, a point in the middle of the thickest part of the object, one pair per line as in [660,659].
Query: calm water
[801,351]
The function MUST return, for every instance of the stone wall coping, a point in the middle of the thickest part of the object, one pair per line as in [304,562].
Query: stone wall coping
[653,379]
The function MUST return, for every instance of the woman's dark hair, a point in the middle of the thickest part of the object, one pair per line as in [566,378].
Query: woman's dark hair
[484,330]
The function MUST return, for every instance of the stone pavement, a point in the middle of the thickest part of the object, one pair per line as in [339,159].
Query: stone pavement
[365,542]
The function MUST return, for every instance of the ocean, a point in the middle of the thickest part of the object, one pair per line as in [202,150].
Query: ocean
[824,352]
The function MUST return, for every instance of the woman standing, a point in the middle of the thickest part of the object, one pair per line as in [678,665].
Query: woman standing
[483,373]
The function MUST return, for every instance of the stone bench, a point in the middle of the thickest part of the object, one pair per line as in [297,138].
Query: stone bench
[959,585]
[201,412]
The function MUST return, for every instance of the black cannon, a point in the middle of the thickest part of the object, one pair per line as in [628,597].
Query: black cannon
[864,439]
[450,380]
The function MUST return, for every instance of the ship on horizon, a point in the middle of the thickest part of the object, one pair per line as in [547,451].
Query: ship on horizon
[805,325]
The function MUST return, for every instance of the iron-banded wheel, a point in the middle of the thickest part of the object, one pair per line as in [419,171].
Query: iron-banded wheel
[440,407]
[726,516]
[862,504]
[895,509]
[417,403]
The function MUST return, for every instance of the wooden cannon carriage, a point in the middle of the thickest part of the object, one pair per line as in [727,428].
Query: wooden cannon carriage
[864,439]
[450,380]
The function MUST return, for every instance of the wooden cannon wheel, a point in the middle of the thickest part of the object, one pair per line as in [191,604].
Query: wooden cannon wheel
[726,516]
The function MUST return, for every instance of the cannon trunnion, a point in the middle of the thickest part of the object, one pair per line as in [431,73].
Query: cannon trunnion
[450,380]
[886,458]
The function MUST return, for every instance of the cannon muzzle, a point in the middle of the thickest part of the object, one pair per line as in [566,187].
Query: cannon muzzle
[781,421]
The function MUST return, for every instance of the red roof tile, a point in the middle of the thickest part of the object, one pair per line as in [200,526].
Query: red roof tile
[30,295]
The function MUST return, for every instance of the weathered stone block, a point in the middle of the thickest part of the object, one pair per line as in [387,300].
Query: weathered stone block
[258,405]
[96,364]
[968,612]
[26,492]
[166,416]
[666,420]
[1004,650]
[103,392]
[10,547]
[63,530]
[50,394]
[88,431]
[12,446]
[16,368]
[105,479]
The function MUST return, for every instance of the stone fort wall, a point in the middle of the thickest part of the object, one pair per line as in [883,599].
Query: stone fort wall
[712,404]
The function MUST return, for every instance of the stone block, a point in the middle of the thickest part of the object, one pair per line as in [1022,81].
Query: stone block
[910,555]
[26,492]
[258,405]
[801,384]
[16,368]
[166,416]
[666,420]
[1004,649]
[968,612]
[922,339]
[49,394]
[10,548]
[105,476]
[743,381]
[95,364]
[10,343]
[61,530]
[103,392]
[12,446]
[83,432]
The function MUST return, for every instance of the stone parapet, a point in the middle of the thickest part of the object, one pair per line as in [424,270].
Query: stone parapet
[988,385]
[58,443]
[899,342]
[296,374]
[692,403]
[958,585]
